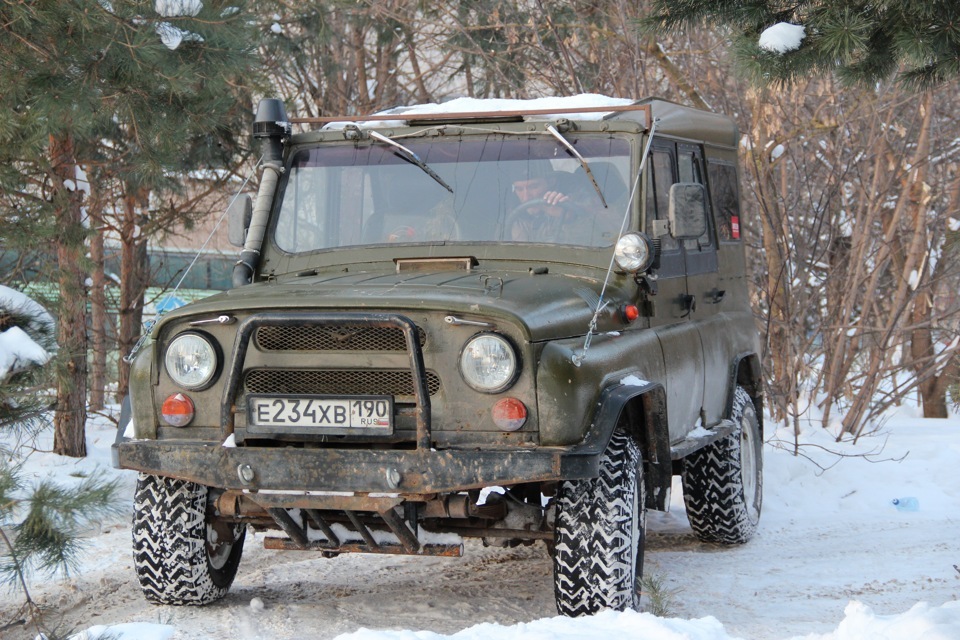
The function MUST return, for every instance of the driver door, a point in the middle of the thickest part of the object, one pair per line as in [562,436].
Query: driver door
[671,320]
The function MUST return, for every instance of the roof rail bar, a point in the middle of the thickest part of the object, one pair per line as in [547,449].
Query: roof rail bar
[473,115]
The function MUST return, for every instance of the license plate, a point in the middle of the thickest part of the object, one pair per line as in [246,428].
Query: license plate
[310,414]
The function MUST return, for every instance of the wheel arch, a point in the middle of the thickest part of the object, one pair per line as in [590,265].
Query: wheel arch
[747,372]
[641,410]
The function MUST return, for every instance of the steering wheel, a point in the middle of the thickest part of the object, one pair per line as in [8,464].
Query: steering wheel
[540,202]
[520,210]
[404,233]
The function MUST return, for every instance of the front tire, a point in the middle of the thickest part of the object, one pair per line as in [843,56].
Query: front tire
[599,536]
[181,554]
[723,482]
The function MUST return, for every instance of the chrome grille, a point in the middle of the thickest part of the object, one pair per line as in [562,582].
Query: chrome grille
[333,338]
[391,382]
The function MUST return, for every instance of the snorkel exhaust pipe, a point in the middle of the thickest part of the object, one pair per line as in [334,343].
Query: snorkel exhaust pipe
[272,127]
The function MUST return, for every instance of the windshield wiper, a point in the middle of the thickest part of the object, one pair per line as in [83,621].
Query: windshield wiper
[412,157]
[583,161]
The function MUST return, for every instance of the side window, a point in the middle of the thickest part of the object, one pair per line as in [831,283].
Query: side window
[671,163]
[688,162]
[724,196]
[690,165]
[658,194]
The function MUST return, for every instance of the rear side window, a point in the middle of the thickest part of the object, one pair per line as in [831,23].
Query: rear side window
[725,198]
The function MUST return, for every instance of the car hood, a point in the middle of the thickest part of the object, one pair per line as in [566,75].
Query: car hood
[547,306]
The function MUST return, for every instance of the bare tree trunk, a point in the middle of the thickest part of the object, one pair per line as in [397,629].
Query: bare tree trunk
[98,314]
[423,94]
[70,416]
[933,380]
[468,77]
[134,266]
[912,202]
[777,258]
[360,68]
[840,344]
[935,377]
[677,75]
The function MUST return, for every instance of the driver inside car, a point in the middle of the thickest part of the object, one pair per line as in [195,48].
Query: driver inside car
[543,211]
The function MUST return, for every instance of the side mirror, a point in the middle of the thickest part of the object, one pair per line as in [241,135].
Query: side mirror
[688,210]
[238,219]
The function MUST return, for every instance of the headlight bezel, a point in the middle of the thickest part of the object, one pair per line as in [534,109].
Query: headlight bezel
[215,353]
[515,363]
[639,240]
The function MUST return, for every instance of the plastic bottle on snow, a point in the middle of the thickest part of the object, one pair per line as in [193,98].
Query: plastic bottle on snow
[906,504]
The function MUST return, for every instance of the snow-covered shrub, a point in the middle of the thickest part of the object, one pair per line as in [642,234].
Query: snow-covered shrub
[40,521]
[27,342]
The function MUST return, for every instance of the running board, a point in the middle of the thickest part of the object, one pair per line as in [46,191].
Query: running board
[700,438]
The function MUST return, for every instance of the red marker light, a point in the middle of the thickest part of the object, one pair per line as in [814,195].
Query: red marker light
[629,312]
[177,410]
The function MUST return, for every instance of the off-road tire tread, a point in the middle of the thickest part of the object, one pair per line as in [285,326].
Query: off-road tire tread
[713,490]
[169,544]
[592,553]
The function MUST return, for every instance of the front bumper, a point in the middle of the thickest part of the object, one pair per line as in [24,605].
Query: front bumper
[356,470]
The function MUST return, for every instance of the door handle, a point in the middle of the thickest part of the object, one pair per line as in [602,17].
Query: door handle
[690,302]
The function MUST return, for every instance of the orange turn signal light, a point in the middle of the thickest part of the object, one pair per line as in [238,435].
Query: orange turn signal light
[629,312]
[177,410]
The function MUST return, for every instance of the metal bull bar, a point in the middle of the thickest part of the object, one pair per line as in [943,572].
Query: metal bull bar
[294,319]
[297,533]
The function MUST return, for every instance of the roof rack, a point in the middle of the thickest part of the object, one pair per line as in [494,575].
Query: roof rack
[474,115]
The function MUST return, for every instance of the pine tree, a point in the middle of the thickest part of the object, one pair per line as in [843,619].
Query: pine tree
[861,41]
[140,78]
[40,524]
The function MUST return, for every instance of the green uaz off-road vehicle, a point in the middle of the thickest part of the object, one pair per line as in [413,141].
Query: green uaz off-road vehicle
[514,326]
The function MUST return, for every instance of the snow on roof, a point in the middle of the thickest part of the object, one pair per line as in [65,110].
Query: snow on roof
[467,105]
[782,37]
[562,104]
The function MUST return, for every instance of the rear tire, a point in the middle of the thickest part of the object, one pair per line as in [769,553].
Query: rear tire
[723,482]
[598,550]
[181,554]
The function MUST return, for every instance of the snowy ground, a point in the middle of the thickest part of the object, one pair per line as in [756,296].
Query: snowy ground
[833,560]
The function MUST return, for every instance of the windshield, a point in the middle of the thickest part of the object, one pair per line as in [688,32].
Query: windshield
[505,189]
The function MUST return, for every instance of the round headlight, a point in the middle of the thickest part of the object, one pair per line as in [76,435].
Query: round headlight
[634,253]
[191,361]
[488,363]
